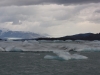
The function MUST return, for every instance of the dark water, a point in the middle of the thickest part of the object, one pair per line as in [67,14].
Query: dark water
[21,63]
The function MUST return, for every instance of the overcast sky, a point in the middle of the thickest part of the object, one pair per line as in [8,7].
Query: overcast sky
[53,17]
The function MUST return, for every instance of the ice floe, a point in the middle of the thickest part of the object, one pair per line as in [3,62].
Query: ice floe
[62,55]
[49,46]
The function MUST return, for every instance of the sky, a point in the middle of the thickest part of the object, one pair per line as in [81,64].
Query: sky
[56,18]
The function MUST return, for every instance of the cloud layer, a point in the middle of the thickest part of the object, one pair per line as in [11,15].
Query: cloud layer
[52,17]
[37,2]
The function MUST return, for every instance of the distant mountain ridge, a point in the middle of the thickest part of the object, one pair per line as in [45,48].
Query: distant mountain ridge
[83,36]
[18,34]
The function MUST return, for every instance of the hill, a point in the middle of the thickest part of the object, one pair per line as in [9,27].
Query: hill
[85,36]
[4,34]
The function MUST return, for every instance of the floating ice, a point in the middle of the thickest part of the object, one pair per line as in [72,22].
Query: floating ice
[51,46]
[79,41]
[68,40]
[26,43]
[89,50]
[77,56]
[43,41]
[62,55]
[58,41]
[9,48]
[13,49]
[16,50]
[33,41]
[53,57]
[1,49]
[95,42]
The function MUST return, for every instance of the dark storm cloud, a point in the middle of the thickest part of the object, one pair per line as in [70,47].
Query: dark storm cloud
[36,2]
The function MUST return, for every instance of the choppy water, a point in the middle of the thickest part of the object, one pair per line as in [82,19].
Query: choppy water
[27,63]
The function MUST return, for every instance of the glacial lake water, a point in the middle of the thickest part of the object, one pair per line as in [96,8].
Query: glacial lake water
[30,63]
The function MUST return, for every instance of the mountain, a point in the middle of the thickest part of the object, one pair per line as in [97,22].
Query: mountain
[85,36]
[4,33]
[78,36]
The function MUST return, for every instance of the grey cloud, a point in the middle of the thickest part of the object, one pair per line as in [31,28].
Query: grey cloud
[47,18]
[16,22]
[13,19]
[15,14]
[97,11]
[36,2]
[44,15]
[95,16]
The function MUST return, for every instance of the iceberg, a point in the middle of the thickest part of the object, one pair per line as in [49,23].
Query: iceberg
[88,50]
[62,55]
[2,49]
[50,57]
[48,46]
[26,43]
[77,56]
[13,49]
[16,50]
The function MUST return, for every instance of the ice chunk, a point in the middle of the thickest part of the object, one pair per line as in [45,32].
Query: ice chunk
[26,43]
[9,48]
[89,50]
[58,41]
[62,55]
[50,57]
[43,41]
[77,56]
[1,49]
[67,55]
[68,40]
[33,41]
[79,41]
[13,49]
[16,50]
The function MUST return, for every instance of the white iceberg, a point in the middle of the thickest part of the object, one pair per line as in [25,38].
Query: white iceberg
[13,49]
[2,49]
[62,55]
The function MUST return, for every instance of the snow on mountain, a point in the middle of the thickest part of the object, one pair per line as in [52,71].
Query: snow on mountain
[4,33]
[3,30]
